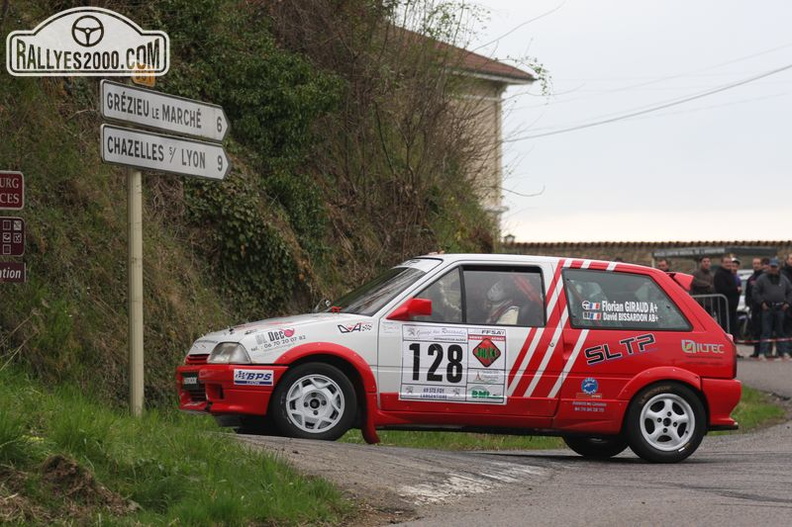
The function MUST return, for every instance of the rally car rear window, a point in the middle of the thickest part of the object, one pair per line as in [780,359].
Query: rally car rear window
[612,300]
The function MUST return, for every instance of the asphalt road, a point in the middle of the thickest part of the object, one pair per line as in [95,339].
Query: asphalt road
[735,480]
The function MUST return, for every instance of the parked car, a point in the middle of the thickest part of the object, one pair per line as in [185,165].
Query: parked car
[606,355]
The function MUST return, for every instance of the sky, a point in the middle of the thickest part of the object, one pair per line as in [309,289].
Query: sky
[716,167]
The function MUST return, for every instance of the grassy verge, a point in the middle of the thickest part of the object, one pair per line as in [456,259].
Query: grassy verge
[756,409]
[67,460]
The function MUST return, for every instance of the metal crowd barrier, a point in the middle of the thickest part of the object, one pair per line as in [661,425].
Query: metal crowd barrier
[717,306]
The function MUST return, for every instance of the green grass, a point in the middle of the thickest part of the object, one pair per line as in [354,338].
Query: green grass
[755,410]
[458,440]
[58,450]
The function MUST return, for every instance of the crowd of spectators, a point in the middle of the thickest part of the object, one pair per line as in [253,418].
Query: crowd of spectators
[768,297]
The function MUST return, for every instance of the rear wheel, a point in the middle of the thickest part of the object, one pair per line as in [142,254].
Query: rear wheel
[665,423]
[602,447]
[314,401]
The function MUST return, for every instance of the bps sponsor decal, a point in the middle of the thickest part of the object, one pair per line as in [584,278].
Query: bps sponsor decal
[87,41]
[254,377]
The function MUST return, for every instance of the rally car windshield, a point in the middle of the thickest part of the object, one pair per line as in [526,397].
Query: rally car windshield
[369,298]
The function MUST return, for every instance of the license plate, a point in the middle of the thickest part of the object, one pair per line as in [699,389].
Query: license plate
[190,379]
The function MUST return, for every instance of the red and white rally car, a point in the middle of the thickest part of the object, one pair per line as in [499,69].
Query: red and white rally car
[607,355]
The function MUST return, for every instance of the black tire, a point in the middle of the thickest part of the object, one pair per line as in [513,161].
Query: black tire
[665,423]
[601,447]
[314,401]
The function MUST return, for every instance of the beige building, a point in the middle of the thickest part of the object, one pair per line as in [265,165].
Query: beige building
[485,81]
[482,82]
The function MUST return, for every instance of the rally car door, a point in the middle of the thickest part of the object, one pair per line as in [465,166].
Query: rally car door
[617,322]
[463,357]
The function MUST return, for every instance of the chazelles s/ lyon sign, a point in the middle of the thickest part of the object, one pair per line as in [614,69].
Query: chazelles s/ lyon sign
[87,41]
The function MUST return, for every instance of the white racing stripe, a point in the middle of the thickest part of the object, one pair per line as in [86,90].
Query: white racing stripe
[578,345]
[554,294]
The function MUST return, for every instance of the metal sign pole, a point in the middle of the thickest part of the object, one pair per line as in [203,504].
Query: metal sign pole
[135,204]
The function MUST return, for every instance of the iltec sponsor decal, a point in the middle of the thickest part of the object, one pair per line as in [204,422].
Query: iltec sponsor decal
[87,41]
[253,377]
[629,346]
[699,348]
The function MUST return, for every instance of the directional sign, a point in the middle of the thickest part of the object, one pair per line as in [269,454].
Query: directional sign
[130,104]
[12,236]
[13,272]
[165,153]
[12,190]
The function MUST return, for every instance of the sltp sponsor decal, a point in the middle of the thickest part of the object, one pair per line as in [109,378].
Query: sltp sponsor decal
[87,41]
[630,346]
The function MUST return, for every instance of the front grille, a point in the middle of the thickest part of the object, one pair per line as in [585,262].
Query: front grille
[197,359]
[197,393]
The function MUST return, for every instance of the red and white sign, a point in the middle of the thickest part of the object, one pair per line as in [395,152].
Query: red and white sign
[12,190]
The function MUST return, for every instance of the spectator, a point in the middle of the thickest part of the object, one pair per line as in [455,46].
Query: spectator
[755,328]
[723,280]
[786,270]
[734,268]
[773,292]
[664,265]
[702,278]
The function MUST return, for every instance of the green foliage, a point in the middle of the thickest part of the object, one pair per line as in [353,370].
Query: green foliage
[347,158]
[71,454]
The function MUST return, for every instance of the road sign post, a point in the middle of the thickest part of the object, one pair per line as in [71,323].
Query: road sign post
[161,111]
[146,150]
[163,153]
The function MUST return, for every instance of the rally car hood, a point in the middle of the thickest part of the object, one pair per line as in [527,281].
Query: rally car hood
[265,339]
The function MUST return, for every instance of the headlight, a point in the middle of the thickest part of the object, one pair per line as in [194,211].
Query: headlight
[229,353]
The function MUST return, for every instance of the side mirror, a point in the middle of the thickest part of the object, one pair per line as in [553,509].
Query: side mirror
[412,308]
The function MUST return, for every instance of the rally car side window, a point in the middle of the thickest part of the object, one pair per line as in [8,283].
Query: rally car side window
[611,300]
[504,296]
[487,295]
[446,297]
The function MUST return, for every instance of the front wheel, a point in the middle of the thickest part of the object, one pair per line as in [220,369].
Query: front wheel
[602,447]
[314,401]
[665,423]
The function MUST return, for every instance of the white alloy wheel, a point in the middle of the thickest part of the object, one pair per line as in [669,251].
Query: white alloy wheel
[315,403]
[667,422]
[314,400]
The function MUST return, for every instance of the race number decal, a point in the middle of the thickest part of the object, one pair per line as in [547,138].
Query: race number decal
[453,364]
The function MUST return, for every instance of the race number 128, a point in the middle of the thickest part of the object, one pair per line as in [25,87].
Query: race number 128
[440,364]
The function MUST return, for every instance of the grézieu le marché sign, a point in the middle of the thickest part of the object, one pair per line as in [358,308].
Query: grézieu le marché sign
[87,41]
